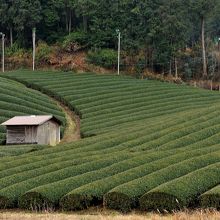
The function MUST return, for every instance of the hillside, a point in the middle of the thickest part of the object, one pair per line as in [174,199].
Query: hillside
[16,99]
[148,145]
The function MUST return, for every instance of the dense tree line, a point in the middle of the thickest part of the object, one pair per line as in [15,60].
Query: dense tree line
[162,30]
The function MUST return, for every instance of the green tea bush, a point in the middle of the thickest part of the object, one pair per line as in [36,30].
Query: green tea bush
[125,197]
[183,191]
[17,100]
[84,196]
[211,198]
[144,134]
[11,193]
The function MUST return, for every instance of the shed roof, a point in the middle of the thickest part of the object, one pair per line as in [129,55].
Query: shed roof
[30,120]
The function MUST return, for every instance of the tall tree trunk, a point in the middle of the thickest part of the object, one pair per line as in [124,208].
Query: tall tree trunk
[85,23]
[11,36]
[205,73]
[176,68]
[34,46]
[70,21]
[170,69]
[66,17]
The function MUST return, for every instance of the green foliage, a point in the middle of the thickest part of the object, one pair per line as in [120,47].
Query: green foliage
[183,191]
[18,100]
[107,58]
[125,197]
[211,198]
[15,151]
[92,193]
[43,52]
[15,50]
[75,41]
[161,29]
[142,139]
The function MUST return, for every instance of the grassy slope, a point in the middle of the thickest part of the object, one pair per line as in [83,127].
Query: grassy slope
[142,129]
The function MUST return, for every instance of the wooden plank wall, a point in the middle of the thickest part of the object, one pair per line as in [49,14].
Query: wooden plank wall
[15,135]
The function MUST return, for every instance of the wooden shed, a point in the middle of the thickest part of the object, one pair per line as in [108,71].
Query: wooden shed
[42,129]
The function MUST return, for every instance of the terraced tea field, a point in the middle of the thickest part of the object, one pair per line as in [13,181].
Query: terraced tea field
[147,145]
[16,99]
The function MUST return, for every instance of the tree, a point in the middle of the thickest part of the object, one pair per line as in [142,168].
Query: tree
[203,9]
[168,31]
[7,13]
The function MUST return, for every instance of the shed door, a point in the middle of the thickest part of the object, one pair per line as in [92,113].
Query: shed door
[30,134]
[53,136]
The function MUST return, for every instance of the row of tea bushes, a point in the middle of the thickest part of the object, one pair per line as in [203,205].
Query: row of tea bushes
[145,137]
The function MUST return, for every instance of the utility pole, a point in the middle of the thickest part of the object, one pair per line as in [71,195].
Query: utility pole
[3,51]
[119,49]
[34,46]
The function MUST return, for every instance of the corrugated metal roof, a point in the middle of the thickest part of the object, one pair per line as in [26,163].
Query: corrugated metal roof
[29,120]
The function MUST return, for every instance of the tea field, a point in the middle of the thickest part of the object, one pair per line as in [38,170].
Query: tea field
[146,145]
[16,100]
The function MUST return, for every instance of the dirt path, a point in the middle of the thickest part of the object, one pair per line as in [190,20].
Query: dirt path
[72,130]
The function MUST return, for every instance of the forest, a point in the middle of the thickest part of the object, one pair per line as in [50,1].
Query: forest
[177,37]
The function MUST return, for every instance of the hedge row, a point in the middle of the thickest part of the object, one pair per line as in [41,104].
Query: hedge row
[16,99]
[49,156]
[183,191]
[141,116]
[117,112]
[22,173]
[85,196]
[37,106]
[15,151]
[138,113]
[184,136]
[10,194]
[95,103]
[81,147]
[94,145]
[53,192]
[156,107]
[29,95]
[132,118]
[17,169]
[64,151]
[211,198]
[125,197]
[152,97]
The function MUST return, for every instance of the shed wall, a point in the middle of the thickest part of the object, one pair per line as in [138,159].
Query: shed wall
[45,134]
[21,135]
[31,134]
[48,133]
[15,135]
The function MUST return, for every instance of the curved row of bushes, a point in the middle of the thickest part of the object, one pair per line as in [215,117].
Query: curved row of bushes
[183,191]
[84,196]
[16,99]
[132,133]
[136,139]
[150,138]
[143,103]
[211,198]
[10,194]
